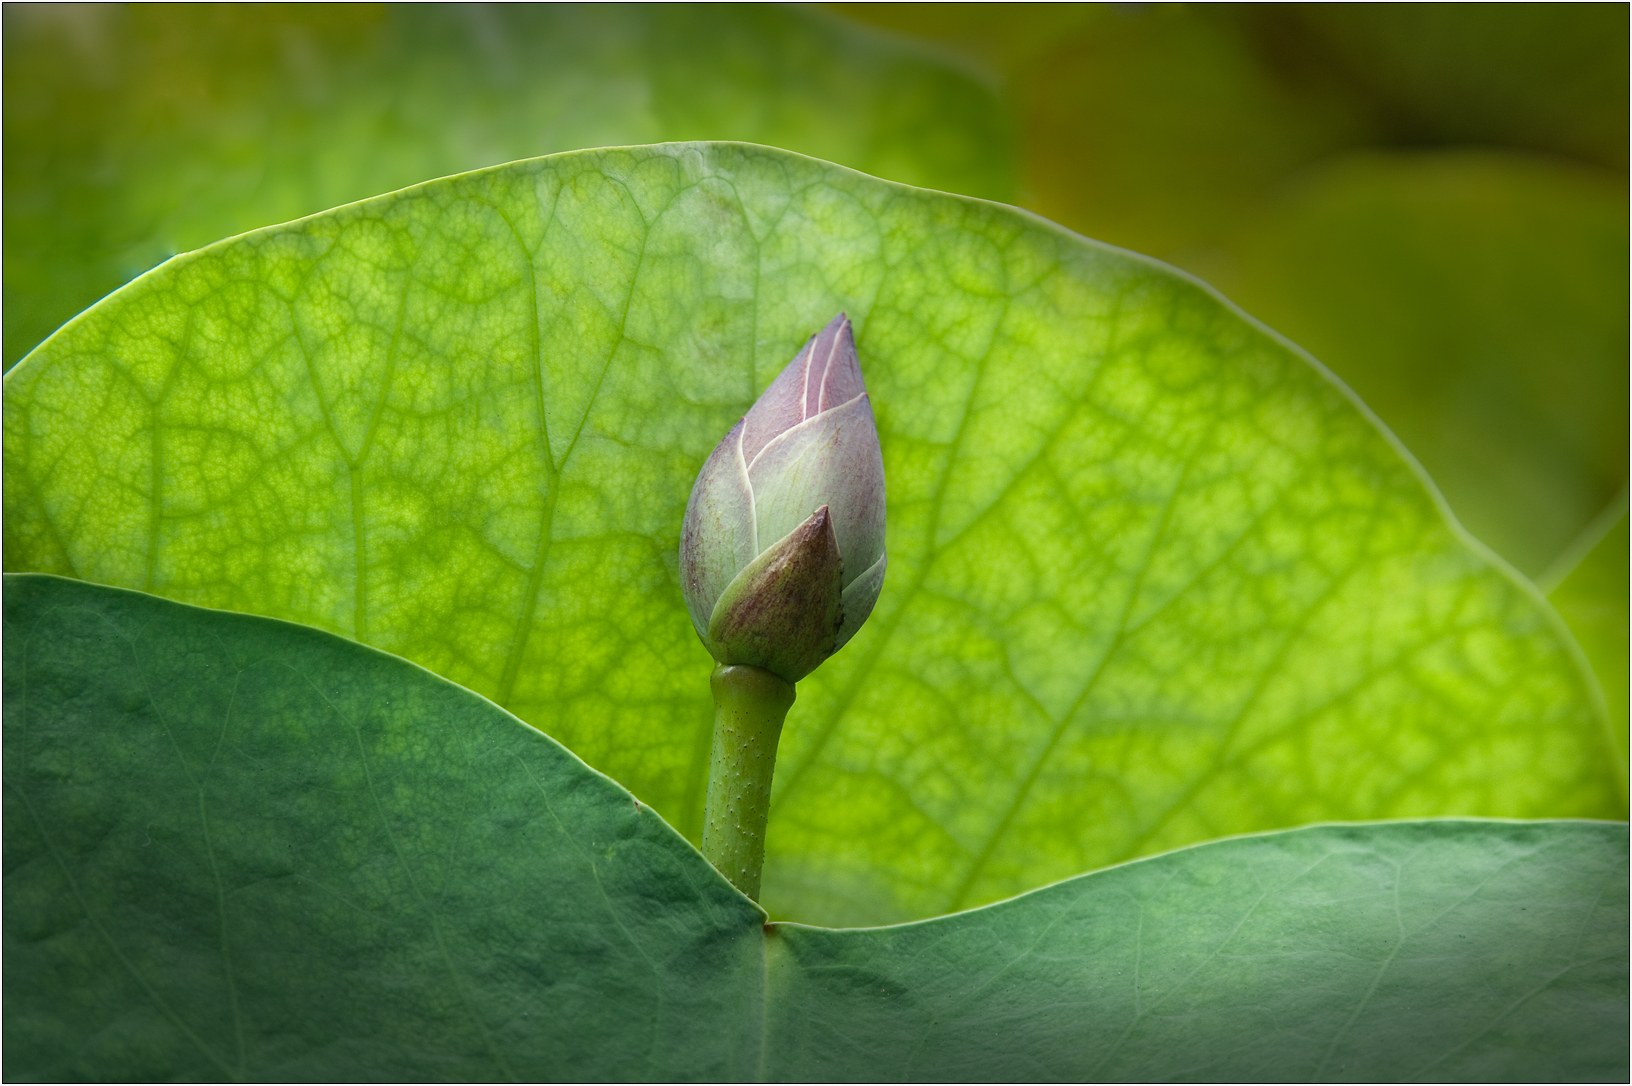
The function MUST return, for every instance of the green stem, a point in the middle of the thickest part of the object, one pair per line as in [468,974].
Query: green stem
[750,705]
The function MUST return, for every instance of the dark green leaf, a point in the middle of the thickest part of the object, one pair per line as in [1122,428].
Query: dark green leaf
[238,848]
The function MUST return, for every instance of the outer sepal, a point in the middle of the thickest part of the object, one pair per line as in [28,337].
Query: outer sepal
[788,513]
[717,537]
[784,611]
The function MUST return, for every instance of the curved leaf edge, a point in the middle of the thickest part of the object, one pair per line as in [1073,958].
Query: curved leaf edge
[1473,823]
[694,856]
[1536,594]
[346,644]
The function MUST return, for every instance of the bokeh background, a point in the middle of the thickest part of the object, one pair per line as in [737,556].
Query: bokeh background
[1432,199]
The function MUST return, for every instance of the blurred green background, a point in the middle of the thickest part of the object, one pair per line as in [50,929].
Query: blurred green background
[1432,199]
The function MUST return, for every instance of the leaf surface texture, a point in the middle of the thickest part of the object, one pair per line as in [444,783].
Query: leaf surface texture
[1153,577]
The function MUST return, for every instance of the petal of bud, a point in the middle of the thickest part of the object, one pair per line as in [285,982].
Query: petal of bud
[833,460]
[805,457]
[717,537]
[859,597]
[824,374]
[784,611]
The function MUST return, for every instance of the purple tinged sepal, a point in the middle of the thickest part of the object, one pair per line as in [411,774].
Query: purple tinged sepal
[782,549]
[783,612]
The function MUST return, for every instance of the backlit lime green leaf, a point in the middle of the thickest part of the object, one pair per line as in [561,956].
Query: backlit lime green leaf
[241,849]
[1153,577]
[135,132]
[1590,590]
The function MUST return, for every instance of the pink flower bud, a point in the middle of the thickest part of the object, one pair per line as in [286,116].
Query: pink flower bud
[782,549]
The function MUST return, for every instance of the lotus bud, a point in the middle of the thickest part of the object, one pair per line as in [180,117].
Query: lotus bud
[782,549]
